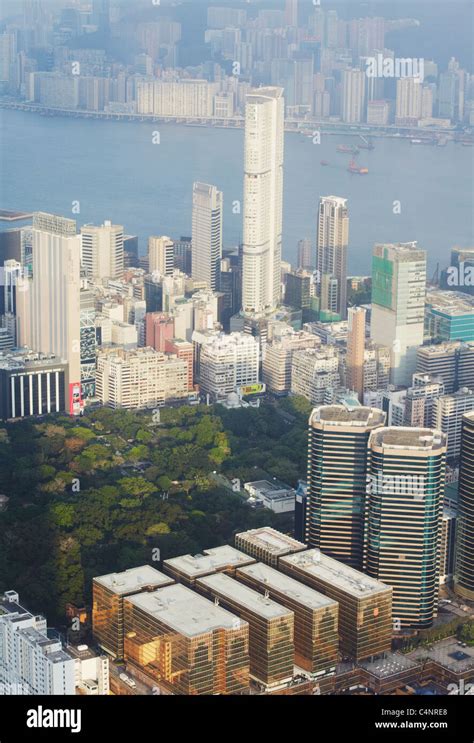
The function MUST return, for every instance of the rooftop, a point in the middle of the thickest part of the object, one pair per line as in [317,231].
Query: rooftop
[290,587]
[345,415]
[132,580]
[211,561]
[351,581]
[272,541]
[450,302]
[399,437]
[227,587]
[185,611]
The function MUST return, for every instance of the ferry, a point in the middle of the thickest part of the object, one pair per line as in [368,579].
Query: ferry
[354,168]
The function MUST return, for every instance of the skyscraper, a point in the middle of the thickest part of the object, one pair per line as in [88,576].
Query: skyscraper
[331,253]
[263,201]
[356,350]
[291,13]
[398,304]
[403,521]
[49,318]
[161,255]
[101,14]
[353,95]
[305,257]
[409,99]
[207,234]
[464,571]
[337,479]
[102,253]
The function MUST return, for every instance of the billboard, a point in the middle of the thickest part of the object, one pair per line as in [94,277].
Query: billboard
[252,389]
[75,399]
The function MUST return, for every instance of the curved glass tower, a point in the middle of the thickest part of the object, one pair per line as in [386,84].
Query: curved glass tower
[464,570]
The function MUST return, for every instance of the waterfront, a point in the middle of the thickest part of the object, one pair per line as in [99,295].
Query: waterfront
[115,172]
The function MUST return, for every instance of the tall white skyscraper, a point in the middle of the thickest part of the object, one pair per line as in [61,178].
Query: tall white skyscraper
[207,234]
[102,251]
[353,95]
[263,201]
[409,100]
[398,305]
[161,255]
[331,254]
[49,313]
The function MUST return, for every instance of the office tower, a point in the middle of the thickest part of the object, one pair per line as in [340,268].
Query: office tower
[447,416]
[228,363]
[299,290]
[159,328]
[183,255]
[447,95]
[271,627]
[331,254]
[108,594]
[102,254]
[337,479]
[314,371]
[140,378]
[356,350]
[353,96]
[230,284]
[267,545]
[420,399]
[448,545]
[31,384]
[316,637]
[263,201]
[101,15]
[88,341]
[207,234]
[30,662]
[464,570]
[188,644]
[409,100]
[449,316]
[12,280]
[440,360]
[376,367]
[277,364]
[365,604]
[403,519]
[291,13]
[305,254]
[161,255]
[398,304]
[49,320]
[187,569]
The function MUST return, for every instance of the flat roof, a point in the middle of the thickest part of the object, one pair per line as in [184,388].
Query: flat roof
[210,561]
[346,415]
[400,437]
[133,579]
[450,303]
[248,598]
[271,540]
[351,581]
[185,611]
[8,215]
[290,587]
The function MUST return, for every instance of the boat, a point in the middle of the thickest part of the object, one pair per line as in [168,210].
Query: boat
[356,169]
[347,148]
[324,162]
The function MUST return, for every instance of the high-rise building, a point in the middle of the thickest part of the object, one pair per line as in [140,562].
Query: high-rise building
[161,255]
[331,253]
[207,234]
[464,570]
[447,95]
[291,13]
[314,371]
[31,663]
[276,366]
[159,328]
[409,100]
[102,254]
[398,305]
[337,479]
[101,15]
[404,512]
[365,604]
[353,95]
[189,644]
[356,350]
[267,545]
[49,319]
[447,416]
[263,201]
[108,594]
[271,627]
[228,363]
[305,258]
[315,615]
[449,316]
